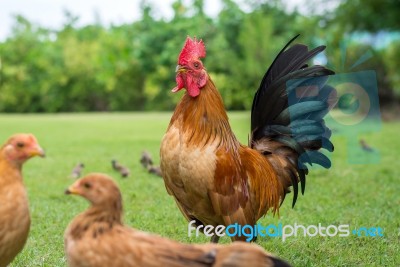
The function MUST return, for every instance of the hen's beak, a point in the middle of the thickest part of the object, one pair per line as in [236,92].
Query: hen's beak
[72,190]
[38,151]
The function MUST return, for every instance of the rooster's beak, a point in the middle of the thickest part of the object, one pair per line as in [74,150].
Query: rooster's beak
[179,68]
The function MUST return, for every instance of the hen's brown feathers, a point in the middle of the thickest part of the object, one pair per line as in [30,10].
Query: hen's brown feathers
[14,218]
[14,209]
[97,238]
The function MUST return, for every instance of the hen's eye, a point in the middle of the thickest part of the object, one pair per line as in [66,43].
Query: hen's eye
[87,185]
[20,144]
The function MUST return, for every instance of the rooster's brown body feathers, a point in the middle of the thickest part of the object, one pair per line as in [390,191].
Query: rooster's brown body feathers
[205,169]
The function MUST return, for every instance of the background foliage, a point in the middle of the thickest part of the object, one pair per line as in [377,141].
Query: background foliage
[131,66]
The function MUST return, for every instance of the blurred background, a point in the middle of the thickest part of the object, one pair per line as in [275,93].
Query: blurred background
[121,55]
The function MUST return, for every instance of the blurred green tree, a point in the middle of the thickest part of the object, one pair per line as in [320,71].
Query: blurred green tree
[368,15]
[131,66]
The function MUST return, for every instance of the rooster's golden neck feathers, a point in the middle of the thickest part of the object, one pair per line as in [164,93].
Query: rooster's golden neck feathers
[204,118]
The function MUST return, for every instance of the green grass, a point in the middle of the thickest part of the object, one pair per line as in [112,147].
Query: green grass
[359,195]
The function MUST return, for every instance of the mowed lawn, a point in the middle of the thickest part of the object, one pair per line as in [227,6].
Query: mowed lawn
[358,195]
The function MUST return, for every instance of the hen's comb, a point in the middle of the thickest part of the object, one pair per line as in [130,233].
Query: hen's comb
[191,49]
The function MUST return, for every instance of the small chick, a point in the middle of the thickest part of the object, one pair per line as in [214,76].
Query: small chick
[155,170]
[14,207]
[146,160]
[77,170]
[365,146]
[147,163]
[98,238]
[124,171]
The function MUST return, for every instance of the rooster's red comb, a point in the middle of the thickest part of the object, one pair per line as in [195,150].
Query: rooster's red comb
[192,49]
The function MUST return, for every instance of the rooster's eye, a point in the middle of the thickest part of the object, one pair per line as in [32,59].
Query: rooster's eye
[20,144]
[196,65]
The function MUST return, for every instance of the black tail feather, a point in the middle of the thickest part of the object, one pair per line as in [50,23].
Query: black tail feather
[288,112]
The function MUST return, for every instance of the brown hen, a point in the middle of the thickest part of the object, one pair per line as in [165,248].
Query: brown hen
[98,237]
[14,209]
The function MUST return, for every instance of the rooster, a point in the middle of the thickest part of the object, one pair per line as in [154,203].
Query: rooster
[213,178]
[14,209]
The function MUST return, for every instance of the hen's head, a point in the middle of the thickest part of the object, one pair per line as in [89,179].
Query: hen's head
[21,147]
[191,74]
[99,189]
